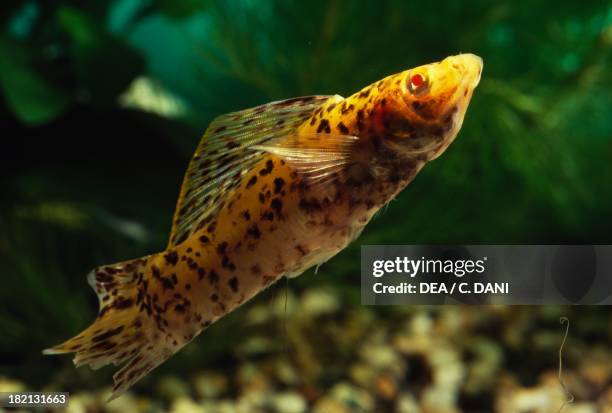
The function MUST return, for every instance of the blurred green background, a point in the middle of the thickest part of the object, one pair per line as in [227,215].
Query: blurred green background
[103,102]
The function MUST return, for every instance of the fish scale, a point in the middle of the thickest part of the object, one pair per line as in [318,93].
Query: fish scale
[270,192]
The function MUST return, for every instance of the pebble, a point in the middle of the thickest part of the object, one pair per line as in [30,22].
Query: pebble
[289,402]
[172,387]
[318,302]
[406,403]
[7,385]
[185,405]
[209,385]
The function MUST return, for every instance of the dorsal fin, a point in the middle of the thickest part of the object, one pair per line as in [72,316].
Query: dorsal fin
[221,158]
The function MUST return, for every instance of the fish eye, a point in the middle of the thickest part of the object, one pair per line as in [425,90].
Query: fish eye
[417,80]
[417,83]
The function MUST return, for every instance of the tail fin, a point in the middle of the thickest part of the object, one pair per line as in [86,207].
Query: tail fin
[123,331]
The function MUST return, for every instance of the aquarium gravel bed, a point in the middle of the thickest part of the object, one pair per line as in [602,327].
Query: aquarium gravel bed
[310,353]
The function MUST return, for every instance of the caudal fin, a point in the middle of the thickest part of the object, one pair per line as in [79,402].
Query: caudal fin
[124,331]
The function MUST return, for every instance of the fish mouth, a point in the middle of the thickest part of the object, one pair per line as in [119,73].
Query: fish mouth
[469,67]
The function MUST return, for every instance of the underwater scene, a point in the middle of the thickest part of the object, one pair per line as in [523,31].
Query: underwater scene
[187,185]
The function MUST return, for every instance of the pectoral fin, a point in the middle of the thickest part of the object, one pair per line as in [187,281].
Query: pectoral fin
[320,158]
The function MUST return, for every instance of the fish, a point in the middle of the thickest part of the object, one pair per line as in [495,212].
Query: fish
[270,192]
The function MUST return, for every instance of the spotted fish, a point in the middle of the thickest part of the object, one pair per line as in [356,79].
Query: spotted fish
[270,192]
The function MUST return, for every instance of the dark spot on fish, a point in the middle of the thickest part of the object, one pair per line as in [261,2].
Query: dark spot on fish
[211,228]
[233,283]
[201,273]
[348,109]
[213,277]
[277,205]
[214,297]
[221,248]
[204,239]
[365,93]
[226,263]
[167,283]
[107,334]
[179,308]
[104,346]
[123,303]
[246,215]
[171,258]
[342,128]
[324,126]
[255,269]
[252,181]
[262,197]
[254,231]
[220,129]
[268,215]
[269,167]
[360,114]
[331,107]
[278,185]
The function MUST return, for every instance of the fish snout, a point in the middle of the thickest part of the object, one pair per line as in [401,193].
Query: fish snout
[469,66]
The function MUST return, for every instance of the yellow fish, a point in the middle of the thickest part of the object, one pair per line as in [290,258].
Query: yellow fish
[270,192]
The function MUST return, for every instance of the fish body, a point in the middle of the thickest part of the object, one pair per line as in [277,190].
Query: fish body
[270,192]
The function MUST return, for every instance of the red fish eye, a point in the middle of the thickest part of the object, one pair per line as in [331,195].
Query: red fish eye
[417,80]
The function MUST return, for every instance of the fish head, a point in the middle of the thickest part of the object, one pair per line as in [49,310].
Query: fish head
[430,104]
